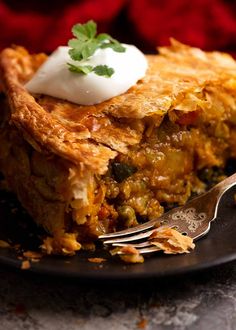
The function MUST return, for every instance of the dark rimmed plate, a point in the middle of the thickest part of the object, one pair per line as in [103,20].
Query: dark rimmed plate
[218,247]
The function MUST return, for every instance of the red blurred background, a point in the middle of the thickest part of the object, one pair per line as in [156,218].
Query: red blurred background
[43,25]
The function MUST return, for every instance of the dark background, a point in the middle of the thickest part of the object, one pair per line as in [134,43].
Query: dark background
[44,25]
[201,301]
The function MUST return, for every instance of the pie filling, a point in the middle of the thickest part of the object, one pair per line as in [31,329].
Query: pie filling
[160,171]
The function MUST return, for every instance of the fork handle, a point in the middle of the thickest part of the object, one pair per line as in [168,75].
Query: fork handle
[224,185]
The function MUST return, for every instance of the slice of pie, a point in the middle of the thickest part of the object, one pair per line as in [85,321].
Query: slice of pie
[81,171]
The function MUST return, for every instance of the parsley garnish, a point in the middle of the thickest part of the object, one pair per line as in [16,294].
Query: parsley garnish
[84,45]
[100,70]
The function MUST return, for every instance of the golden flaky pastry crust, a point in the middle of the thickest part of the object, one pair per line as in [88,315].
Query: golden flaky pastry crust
[41,129]
[177,79]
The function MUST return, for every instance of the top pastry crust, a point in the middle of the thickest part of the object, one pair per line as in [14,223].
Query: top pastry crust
[180,79]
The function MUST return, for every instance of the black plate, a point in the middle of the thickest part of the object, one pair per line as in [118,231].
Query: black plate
[218,247]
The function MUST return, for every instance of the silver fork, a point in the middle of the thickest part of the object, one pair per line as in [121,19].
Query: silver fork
[193,219]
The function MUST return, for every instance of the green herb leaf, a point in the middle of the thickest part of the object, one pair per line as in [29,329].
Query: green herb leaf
[103,36]
[89,48]
[75,54]
[100,70]
[103,70]
[109,42]
[116,47]
[74,43]
[85,44]
[84,69]
[85,31]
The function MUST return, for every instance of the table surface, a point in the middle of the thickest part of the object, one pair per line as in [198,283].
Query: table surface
[203,300]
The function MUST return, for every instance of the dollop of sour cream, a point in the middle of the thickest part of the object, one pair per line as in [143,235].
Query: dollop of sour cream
[54,78]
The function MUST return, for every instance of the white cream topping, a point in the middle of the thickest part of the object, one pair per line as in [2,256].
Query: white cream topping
[54,78]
